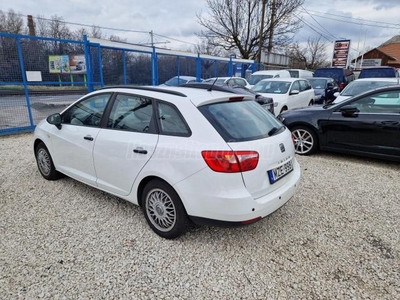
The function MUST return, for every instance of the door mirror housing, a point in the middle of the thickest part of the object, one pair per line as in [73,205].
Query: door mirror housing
[349,111]
[294,92]
[54,119]
[336,94]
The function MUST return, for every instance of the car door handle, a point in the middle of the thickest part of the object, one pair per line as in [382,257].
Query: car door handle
[140,151]
[88,137]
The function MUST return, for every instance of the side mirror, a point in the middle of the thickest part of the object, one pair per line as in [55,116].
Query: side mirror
[336,94]
[54,119]
[294,92]
[329,86]
[349,110]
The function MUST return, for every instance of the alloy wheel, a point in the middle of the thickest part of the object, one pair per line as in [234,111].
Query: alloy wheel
[161,210]
[303,141]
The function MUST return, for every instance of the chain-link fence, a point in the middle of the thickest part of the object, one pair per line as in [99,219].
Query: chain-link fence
[40,76]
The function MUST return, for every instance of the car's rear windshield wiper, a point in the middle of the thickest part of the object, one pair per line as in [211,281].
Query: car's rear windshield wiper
[275,130]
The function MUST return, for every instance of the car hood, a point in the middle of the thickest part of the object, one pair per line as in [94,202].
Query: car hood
[319,91]
[305,110]
[341,98]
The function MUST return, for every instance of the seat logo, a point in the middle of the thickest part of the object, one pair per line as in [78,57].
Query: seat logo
[282,147]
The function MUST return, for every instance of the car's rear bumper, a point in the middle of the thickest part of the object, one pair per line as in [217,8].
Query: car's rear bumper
[213,202]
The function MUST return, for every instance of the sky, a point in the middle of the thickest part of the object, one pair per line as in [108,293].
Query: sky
[367,23]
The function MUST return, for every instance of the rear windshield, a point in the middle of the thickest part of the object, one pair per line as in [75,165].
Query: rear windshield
[256,78]
[373,73]
[241,120]
[334,73]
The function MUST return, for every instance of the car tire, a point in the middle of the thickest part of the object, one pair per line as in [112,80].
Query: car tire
[305,140]
[163,210]
[45,163]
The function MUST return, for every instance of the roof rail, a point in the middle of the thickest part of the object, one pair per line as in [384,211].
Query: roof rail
[145,88]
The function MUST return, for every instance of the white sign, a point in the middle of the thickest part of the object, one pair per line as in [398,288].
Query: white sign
[368,63]
[33,76]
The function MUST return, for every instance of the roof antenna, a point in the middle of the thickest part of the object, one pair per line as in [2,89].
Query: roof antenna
[210,88]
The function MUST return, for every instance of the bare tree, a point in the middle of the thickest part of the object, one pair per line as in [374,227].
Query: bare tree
[235,24]
[11,22]
[311,56]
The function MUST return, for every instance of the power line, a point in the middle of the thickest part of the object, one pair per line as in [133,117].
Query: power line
[316,31]
[347,21]
[364,20]
[111,28]
[318,23]
[85,25]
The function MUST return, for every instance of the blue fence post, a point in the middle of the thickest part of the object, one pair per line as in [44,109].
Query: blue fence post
[154,67]
[124,64]
[21,62]
[198,68]
[100,65]
[88,63]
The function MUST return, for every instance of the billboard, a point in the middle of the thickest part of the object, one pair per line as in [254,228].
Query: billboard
[340,54]
[77,64]
[66,64]
[59,64]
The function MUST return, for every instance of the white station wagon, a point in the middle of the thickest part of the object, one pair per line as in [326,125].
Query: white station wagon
[183,154]
[288,93]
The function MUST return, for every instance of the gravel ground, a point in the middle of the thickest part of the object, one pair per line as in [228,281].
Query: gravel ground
[338,238]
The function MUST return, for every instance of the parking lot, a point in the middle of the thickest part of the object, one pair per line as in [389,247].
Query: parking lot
[339,237]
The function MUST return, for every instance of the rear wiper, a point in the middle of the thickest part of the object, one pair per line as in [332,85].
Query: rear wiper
[275,130]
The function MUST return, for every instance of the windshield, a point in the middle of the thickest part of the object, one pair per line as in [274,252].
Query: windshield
[254,78]
[272,87]
[317,83]
[240,120]
[358,87]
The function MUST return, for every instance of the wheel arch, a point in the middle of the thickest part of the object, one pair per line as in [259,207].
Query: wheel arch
[145,181]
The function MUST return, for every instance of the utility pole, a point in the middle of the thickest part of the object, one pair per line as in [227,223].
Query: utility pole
[271,32]
[264,2]
[152,38]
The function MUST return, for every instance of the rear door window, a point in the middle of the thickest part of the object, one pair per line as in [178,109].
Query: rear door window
[241,121]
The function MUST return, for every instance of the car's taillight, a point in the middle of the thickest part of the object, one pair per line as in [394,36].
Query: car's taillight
[231,161]
[341,86]
[293,139]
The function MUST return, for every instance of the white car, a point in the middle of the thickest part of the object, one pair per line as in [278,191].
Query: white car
[231,81]
[362,85]
[182,154]
[288,93]
[179,80]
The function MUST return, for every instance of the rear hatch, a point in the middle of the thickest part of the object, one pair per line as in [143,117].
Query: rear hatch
[247,128]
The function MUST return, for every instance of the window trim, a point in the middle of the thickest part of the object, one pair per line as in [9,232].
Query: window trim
[109,101]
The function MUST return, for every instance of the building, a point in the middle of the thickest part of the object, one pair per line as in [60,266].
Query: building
[387,54]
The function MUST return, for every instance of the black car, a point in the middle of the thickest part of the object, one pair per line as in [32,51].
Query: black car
[265,102]
[367,124]
[324,89]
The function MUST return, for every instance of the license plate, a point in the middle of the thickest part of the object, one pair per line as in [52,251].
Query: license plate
[280,172]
